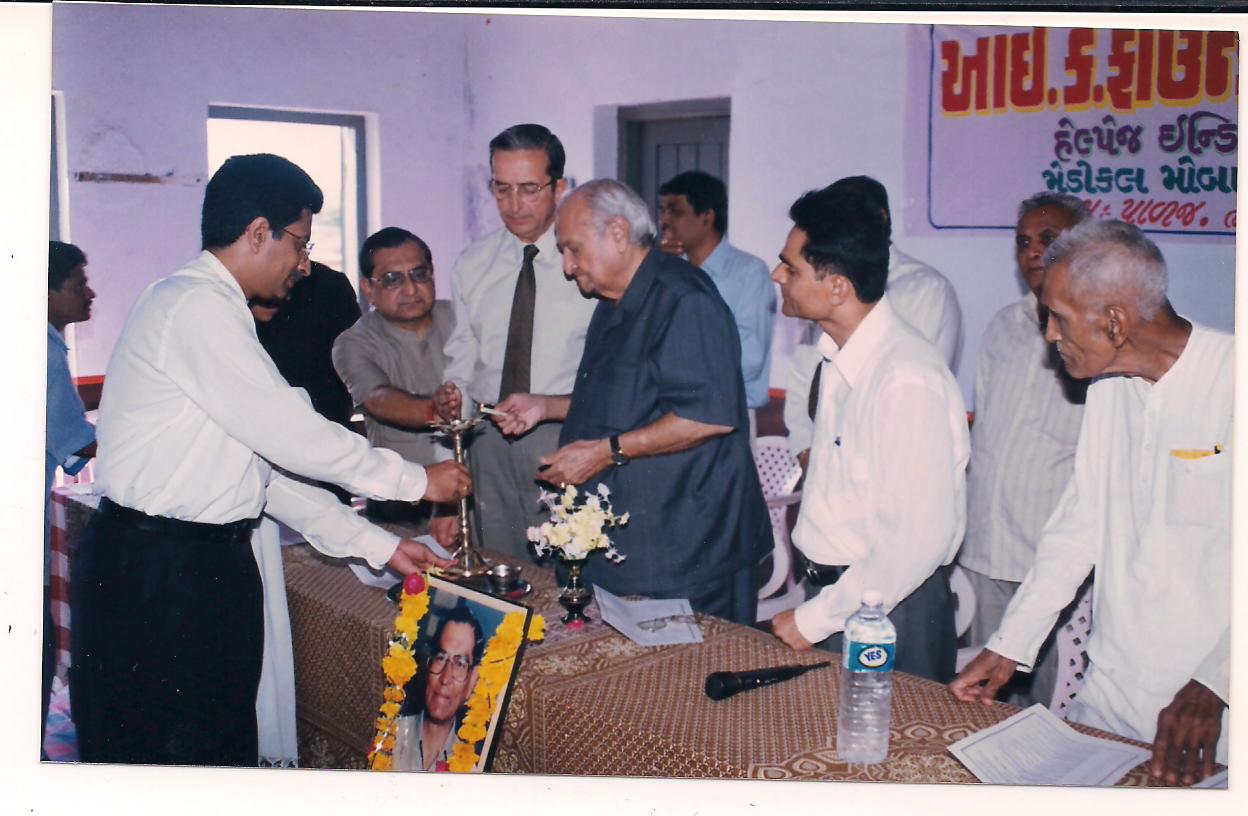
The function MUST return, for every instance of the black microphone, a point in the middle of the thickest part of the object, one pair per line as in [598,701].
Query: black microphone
[722,685]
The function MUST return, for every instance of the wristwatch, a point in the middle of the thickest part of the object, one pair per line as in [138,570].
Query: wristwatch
[618,457]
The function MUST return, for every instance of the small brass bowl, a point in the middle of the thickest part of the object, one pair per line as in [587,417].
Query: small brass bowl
[503,578]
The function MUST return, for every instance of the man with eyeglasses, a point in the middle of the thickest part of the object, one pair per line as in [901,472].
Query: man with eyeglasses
[519,333]
[197,433]
[392,361]
[424,742]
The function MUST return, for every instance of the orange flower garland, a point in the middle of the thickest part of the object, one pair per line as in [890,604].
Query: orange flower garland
[496,665]
[399,667]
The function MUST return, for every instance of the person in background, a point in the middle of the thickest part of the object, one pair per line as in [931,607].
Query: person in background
[70,438]
[884,503]
[197,431]
[1027,416]
[921,296]
[1148,508]
[519,332]
[693,220]
[392,361]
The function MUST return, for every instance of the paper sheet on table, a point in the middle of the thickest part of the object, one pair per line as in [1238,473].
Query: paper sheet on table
[1218,780]
[1034,747]
[625,615]
[386,578]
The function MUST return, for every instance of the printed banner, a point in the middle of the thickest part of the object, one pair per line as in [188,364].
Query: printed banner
[1142,125]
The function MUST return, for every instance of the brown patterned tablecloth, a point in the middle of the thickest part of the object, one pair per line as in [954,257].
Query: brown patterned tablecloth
[590,702]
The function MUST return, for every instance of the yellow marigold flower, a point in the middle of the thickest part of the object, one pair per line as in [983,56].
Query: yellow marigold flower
[537,627]
[462,758]
[406,627]
[382,762]
[471,733]
[393,694]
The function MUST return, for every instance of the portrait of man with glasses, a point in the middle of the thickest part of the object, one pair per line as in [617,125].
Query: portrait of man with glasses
[392,360]
[423,741]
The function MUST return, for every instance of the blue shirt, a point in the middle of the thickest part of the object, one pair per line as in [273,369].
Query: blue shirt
[68,430]
[669,347]
[745,285]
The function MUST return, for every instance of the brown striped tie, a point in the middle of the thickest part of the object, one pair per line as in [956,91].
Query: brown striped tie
[518,357]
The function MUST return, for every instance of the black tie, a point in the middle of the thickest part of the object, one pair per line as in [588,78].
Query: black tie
[518,358]
[812,400]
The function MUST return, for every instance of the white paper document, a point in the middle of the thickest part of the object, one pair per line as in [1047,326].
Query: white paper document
[625,616]
[1035,747]
[386,578]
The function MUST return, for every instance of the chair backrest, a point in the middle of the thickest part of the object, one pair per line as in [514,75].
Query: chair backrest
[778,469]
[1071,642]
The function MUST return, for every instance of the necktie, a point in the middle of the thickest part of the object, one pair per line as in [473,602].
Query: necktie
[812,400]
[518,357]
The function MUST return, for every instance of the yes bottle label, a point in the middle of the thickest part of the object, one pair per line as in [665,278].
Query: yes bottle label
[869,657]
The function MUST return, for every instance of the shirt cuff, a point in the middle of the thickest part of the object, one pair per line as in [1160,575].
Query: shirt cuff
[813,623]
[412,483]
[377,546]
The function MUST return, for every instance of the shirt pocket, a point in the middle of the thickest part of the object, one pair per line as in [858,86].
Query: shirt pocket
[617,394]
[1198,491]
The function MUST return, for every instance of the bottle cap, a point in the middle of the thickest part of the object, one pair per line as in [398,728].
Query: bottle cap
[872,597]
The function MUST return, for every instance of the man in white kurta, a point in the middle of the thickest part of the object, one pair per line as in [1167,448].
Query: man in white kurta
[1148,509]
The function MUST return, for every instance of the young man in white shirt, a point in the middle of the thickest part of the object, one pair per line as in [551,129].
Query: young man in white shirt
[1148,508]
[196,430]
[519,333]
[883,505]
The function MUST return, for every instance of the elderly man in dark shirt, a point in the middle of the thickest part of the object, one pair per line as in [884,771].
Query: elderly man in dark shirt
[657,414]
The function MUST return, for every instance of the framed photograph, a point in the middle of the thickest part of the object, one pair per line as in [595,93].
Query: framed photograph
[458,661]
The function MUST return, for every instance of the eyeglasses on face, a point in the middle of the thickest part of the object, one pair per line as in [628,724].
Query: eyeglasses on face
[460,664]
[394,279]
[302,244]
[527,190]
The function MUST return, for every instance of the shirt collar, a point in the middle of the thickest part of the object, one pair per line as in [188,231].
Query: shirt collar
[718,259]
[640,285]
[858,350]
[56,338]
[1031,307]
[545,244]
[212,264]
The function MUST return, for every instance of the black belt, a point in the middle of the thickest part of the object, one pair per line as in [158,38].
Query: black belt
[233,532]
[820,575]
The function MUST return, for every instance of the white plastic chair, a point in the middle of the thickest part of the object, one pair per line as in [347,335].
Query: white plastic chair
[778,472]
[1071,642]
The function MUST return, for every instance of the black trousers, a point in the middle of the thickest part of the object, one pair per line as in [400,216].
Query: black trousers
[927,643]
[167,643]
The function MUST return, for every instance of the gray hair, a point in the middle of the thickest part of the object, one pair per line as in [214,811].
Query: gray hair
[1112,257]
[1071,204]
[607,199]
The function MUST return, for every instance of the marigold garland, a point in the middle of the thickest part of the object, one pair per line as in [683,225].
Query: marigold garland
[492,674]
[400,667]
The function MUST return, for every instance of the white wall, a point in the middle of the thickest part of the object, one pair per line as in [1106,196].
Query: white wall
[138,82]
[811,102]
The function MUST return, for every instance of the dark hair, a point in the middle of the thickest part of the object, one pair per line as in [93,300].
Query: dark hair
[248,187]
[460,613]
[704,191]
[388,238]
[845,238]
[62,258]
[869,192]
[532,137]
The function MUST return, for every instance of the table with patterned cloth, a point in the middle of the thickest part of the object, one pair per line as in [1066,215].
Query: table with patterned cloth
[591,702]
[69,511]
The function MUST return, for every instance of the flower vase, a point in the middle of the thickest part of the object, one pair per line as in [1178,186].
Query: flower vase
[575,596]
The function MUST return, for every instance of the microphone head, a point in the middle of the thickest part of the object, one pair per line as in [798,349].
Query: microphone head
[721,685]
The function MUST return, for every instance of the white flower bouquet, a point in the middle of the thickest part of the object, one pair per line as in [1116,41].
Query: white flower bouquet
[576,527]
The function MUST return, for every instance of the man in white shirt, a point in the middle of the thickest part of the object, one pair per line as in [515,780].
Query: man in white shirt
[1148,509]
[920,296]
[693,219]
[1027,416]
[884,502]
[519,333]
[196,432]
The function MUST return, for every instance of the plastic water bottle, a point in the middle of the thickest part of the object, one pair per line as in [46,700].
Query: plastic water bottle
[866,683]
